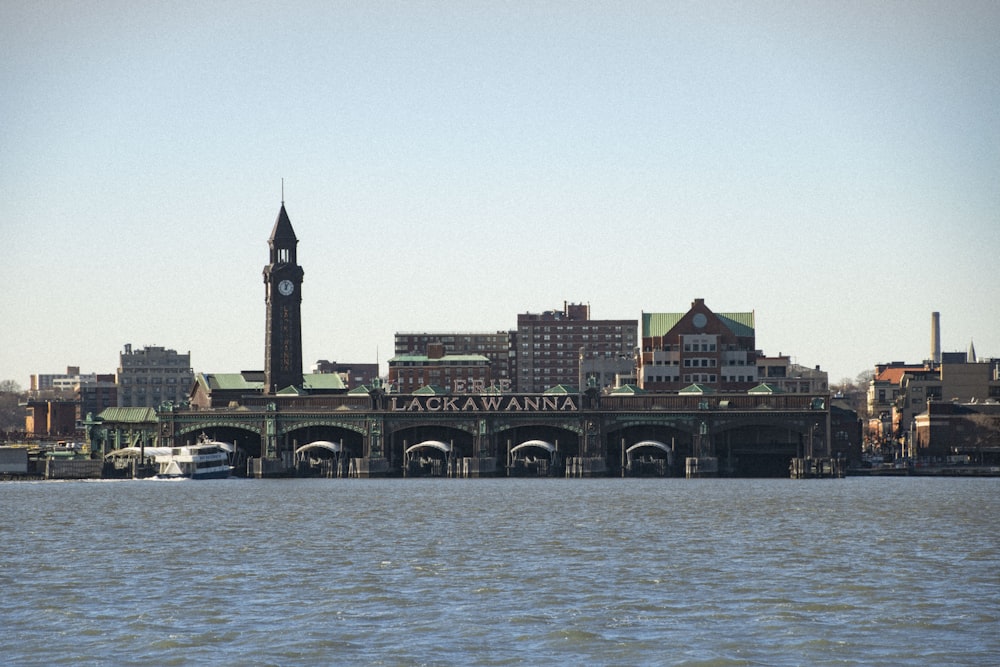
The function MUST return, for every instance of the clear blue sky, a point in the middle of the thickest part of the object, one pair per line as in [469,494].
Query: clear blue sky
[834,167]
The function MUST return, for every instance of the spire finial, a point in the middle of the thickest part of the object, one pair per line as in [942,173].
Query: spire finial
[282,190]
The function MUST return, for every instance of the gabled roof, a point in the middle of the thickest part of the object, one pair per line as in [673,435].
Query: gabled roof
[696,389]
[895,374]
[431,390]
[561,389]
[627,390]
[765,388]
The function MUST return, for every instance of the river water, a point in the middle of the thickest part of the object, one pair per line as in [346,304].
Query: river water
[857,571]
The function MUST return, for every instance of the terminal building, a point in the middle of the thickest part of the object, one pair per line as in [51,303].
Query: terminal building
[563,417]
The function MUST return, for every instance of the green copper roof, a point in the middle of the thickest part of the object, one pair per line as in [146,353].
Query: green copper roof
[627,390]
[128,415]
[741,324]
[561,389]
[228,381]
[765,388]
[658,324]
[446,359]
[696,389]
[431,390]
[328,381]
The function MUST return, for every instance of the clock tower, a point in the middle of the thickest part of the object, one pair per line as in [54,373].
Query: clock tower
[283,295]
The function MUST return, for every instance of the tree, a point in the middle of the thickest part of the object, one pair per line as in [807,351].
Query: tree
[11,412]
[9,387]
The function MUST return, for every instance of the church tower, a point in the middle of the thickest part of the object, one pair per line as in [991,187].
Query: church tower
[283,295]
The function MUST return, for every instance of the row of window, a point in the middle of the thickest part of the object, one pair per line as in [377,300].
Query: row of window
[123,381]
[697,362]
[700,377]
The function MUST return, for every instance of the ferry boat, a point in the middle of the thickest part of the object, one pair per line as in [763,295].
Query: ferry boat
[204,460]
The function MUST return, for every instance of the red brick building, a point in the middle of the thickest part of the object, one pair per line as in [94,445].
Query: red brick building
[717,350]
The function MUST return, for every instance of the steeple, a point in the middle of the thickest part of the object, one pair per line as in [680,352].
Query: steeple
[283,241]
[971,357]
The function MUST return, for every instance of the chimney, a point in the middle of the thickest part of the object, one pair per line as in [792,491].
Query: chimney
[936,337]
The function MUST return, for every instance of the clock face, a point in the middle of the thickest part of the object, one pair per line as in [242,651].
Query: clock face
[699,320]
[286,287]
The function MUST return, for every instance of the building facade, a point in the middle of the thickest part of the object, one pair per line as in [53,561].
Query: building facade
[352,375]
[97,395]
[453,373]
[549,346]
[791,378]
[717,350]
[495,346]
[150,376]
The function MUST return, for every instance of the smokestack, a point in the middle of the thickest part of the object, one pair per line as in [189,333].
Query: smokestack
[936,337]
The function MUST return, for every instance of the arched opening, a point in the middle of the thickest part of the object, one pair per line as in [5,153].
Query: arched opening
[461,443]
[430,458]
[665,461]
[242,444]
[321,458]
[533,458]
[648,458]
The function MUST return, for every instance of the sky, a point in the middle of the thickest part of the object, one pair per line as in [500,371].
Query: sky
[833,167]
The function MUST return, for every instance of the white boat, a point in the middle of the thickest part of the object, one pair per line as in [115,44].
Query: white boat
[204,460]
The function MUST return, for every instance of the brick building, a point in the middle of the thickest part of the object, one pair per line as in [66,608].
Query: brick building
[717,350]
[495,346]
[457,373]
[150,376]
[549,346]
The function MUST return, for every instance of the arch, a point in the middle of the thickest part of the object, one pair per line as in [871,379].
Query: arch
[187,428]
[540,444]
[436,444]
[289,427]
[648,443]
[334,447]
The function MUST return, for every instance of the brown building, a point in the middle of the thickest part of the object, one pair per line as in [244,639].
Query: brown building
[550,345]
[717,350]
[95,397]
[456,373]
[50,417]
[496,346]
[948,429]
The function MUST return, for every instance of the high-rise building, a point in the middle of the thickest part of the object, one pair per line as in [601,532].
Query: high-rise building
[151,376]
[549,346]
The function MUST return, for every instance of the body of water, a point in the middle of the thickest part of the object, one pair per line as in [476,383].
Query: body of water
[865,571]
